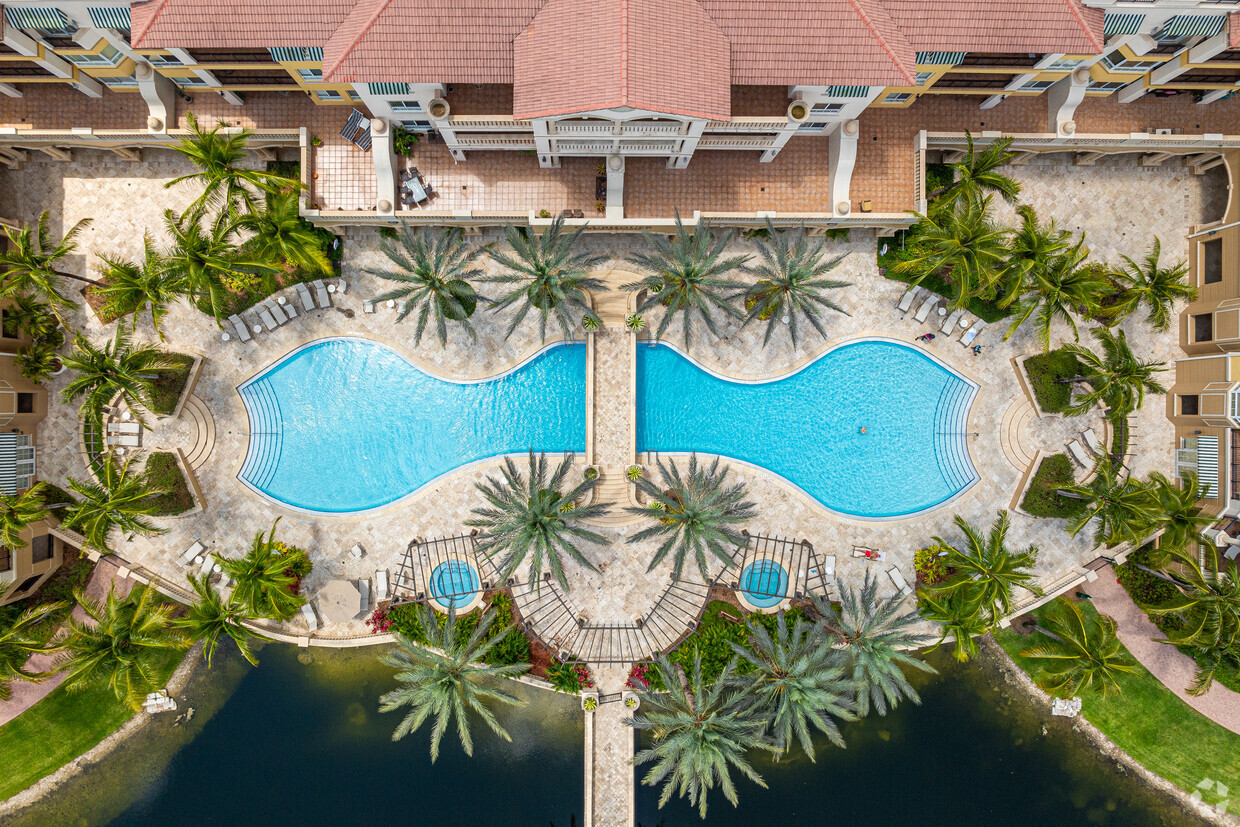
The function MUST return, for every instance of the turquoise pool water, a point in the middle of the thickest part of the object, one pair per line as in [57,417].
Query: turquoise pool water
[806,427]
[346,425]
[454,583]
[765,583]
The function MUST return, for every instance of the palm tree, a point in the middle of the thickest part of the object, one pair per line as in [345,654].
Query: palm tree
[447,681]
[128,288]
[875,639]
[1178,512]
[212,617]
[206,261]
[264,582]
[964,247]
[119,644]
[797,681]
[25,313]
[791,282]
[282,238]
[1125,508]
[695,514]
[986,571]
[977,173]
[20,511]
[23,637]
[530,516]
[962,619]
[1118,379]
[120,499]
[1083,652]
[1030,250]
[116,368]
[548,275]
[217,156]
[1155,287]
[700,733]
[432,273]
[1209,604]
[28,263]
[688,276]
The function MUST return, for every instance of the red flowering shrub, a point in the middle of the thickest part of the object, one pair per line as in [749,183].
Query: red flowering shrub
[379,622]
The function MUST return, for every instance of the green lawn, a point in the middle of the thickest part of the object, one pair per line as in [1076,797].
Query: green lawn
[1155,727]
[61,727]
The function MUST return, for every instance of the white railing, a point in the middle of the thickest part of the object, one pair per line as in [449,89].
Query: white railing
[109,138]
[1122,142]
[737,142]
[488,122]
[746,123]
[495,141]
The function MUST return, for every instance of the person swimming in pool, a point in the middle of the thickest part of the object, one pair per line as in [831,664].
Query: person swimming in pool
[863,429]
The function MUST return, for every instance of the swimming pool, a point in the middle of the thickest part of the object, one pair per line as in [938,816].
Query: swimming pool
[807,427]
[345,425]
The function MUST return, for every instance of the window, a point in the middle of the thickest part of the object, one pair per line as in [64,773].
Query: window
[164,60]
[311,75]
[1038,84]
[41,548]
[405,106]
[329,95]
[1109,86]
[1212,261]
[897,97]
[1116,62]
[127,82]
[813,126]
[27,584]
[25,457]
[6,559]
[108,56]
[25,403]
[1203,327]
[1189,405]
[922,77]
[1064,64]
[8,329]
[417,126]
[191,81]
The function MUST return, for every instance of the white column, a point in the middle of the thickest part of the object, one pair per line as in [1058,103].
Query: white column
[688,145]
[542,144]
[160,96]
[440,114]
[1062,99]
[842,157]
[615,187]
[383,152]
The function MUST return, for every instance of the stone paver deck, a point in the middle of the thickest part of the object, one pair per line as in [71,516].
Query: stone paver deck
[612,761]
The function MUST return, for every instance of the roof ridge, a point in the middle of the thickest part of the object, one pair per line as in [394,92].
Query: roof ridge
[380,7]
[150,21]
[1074,7]
[882,41]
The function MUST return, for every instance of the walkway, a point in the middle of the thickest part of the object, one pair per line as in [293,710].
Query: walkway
[1173,668]
[611,763]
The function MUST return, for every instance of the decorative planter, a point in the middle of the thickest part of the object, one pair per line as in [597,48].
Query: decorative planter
[591,472]
[631,701]
[589,701]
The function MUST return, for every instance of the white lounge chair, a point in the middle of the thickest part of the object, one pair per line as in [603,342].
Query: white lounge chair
[124,428]
[312,620]
[900,582]
[243,332]
[1078,454]
[971,333]
[368,306]
[276,310]
[926,307]
[357,552]
[363,588]
[906,301]
[124,440]
[290,309]
[320,293]
[381,585]
[208,563]
[828,567]
[342,287]
[190,553]
[950,324]
[307,298]
[1095,444]
[265,317]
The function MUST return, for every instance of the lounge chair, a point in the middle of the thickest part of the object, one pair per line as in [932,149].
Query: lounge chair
[290,309]
[124,428]
[307,613]
[265,316]
[307,298]
[898,579]
[828,567]
[124,440]
[363,588]
[368,306]
[1078,454]
[357,552]
[190,553]
[320,293]
[243,332]
[276,311]
[906,301]
[926,307]
[971,333]
[381,585]
[342,287]
[950,324]
[1095,444]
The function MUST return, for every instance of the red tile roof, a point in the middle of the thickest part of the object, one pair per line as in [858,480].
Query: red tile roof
[661,55]
[1048,26]
[1233,30]
[242,24]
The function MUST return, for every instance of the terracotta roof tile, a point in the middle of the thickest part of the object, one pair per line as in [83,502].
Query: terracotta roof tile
[1233,30]
[1048,26]
[243,24]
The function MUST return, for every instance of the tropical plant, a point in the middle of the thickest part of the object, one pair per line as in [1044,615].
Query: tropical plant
[22,637]
[791,282]
[432,273]
[1123,509]
[977,173]
[218,156]
[116,368]
[874,639]
[797,681]
[693,514]
[265,579]
[38,362]
[700,733]
[591,323]
[530,516]
[129,288]
[688,276]
[282,238]
[986,571]
[1209,605]
[962,619]
[634,322]
[120,499]
[1082,652]
[28,263]
[453,682]
[28,314]
[1032,247]
[1117,378]
[964,247]
[1053,287]
[1154,287]
[20,511]
[1178,514]
[548,276]
[206,261]
[119,643]
[214,616]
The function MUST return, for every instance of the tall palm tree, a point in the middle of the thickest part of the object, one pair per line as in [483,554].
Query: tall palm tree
[530,516]
[28,263]
[1033,245]
[119,644]
[688,276]
[1155,287]
[20,511]
[280,237]
[1178,512]
[128,288]
[986,570]
[205,259]
[263,578]
[700,734]
[448,681]
[120,499]
[116,368]
[962,619]
[1209,604]
[548,277]
[218,155]
[24,636]
[213,617]
[1123,509]
[964,247]
[1056,289]
[432,273]
[1117,378]
[791,282]
[797,681]
[875,639]
[977,173]
[1081,652]
[694,513]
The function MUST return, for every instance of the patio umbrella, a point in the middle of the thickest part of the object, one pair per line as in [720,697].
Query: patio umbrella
[339,601]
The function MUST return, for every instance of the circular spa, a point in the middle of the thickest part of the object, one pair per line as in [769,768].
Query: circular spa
[455,585]
[763,586]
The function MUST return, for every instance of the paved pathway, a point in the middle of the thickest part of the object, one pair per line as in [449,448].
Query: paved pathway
[1172,667]
[612,760]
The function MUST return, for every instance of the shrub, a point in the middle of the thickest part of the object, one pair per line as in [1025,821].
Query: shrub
[379,622]
[634,473]
[286,169]
[1043,499]
[1044,372]
[163,472]
[403,141]
[722,624]
[590,704]
[938,176]
[169,383]
[1146,589]
[640,676]
[984,310]
[569,678]
[513,648]
[930,567]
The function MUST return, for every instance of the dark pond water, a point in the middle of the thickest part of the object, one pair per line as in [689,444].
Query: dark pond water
[302,743]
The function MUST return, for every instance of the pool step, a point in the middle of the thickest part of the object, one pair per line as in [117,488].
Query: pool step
[613,488]
[1014,433]
[196,411]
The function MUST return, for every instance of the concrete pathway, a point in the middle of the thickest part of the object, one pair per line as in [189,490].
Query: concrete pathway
[1172,667]
[610,762]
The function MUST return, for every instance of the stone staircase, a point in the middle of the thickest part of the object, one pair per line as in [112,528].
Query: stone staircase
[614,488]
[612,307]
[196,412]
[1014,433]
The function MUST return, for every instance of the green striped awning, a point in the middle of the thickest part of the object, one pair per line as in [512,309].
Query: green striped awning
[1122,23]
[847,91]
[110,18]
[1192,25]
[388,89]
[296,54]
[940,58]
[8,461]
[48,19]
[1207,465]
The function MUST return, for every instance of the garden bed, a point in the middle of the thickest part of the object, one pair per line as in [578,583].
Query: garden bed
[1044,371]
[513,648]
[169,383]
[722,624]
[164,472]
[988,312]
[1042,498]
